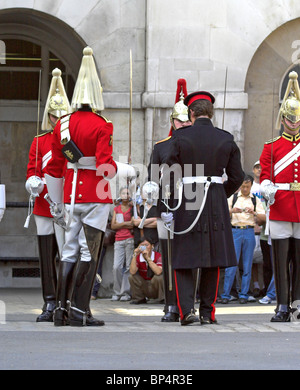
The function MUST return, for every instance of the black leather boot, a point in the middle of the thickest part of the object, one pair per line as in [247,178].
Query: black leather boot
[47,255]
[295,295]
[189,318]
[171,314]
[80,312]
[64,285]
[281,261]
[282,314]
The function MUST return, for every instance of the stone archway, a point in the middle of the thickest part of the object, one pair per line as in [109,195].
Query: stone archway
[269,65]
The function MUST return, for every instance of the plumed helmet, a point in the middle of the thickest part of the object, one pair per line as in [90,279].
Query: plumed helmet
[88,89]
[180,110]
[58,105]
[290,106]
[57,102]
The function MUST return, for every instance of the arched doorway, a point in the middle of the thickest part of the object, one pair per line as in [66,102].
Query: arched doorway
[265,84]
[33,41]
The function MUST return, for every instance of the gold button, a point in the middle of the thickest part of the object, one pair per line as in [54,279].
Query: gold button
[80,183]
[79,196]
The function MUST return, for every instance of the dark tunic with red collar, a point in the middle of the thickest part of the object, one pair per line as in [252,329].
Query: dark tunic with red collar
[209,243]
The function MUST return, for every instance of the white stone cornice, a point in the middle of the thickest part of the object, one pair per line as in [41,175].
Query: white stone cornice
[233,100]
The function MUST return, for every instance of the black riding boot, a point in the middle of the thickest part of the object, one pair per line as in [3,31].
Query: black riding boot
[64,285]
[80,313]
[47,254]
[281,259]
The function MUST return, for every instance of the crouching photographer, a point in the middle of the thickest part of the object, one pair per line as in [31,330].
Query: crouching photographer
[145,278]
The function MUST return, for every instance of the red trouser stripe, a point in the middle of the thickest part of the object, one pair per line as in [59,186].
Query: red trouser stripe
[178,301]
[213,317]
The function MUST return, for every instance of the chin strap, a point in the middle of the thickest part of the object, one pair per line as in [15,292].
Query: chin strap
[294,130]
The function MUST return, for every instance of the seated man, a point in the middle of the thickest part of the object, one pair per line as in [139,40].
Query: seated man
[145,278]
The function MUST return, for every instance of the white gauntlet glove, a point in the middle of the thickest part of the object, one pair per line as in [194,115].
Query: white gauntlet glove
[268,190]
[34,185]
[57,211]
[166,217]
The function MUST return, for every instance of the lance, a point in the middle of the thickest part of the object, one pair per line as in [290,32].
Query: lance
[31,197]
[167,196]
[130,106]
[38,121]
[267,227]
[133,181]
[225,90]
[272,130]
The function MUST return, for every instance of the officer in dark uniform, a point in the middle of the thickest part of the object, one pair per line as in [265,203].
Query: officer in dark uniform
[179,119]
[203,239]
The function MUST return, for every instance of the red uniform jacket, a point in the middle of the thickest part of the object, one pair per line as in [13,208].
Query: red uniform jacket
[93,136]
[287,203]
[36,167]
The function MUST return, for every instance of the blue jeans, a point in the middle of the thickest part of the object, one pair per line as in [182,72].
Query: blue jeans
[244,243]
[271,292]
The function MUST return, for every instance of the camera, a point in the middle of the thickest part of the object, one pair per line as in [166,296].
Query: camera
[143,248]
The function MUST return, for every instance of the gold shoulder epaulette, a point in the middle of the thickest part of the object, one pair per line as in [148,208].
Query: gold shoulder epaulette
[46,132]
[273,140]
[163,140]
[103,117]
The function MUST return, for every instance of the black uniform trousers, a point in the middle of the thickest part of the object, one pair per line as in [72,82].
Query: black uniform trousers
[208,290]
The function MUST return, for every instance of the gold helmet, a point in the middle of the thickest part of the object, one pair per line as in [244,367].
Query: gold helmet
[290,106]
[88,89]
[57,103]
[180,110]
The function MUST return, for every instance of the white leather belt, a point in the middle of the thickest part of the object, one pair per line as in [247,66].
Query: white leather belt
[192,180]
[288,186]
[84,163]
[202,179]
[207,180]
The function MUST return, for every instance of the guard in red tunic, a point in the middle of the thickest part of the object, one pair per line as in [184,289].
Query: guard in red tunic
[280,184]
[82,144]
[48,233]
